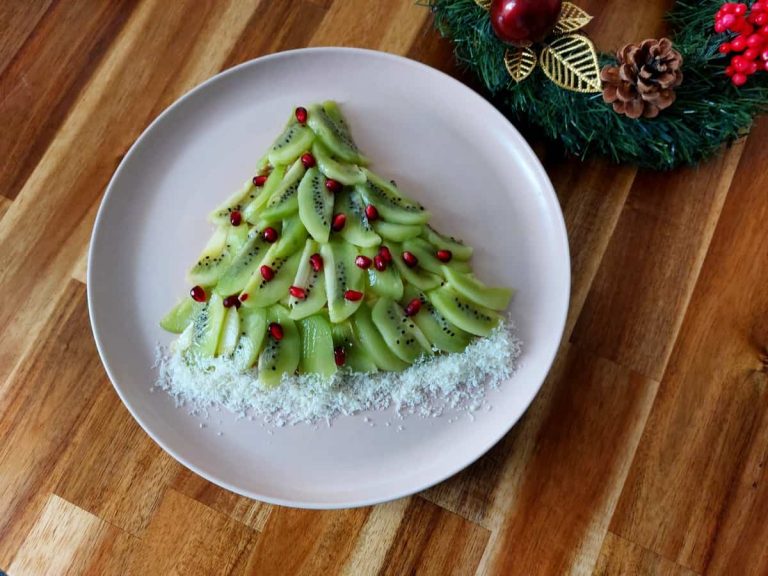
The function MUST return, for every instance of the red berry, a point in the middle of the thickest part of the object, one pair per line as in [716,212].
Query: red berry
[728,7]
[724,48]
[755,40]
[763,31]
[333,185]
[363,262]
[232,300]
[444,255]
[243,296]
[413,307]
[728,20]
[385,254]
[235,218]
[353,295]
[316,261]
[267,273]
[259,180]
[371,213]
[409,259]
[730,71]
[764,56]
[738,44]
[269,234]
[338,222]
[720,27]
[740,9]
[308,160]
[379,263]
[752,68]
[339,355]
[751,53]
[276,331]
[301,115]
[739,79]
[765,66]
[521,21]
[759,7]
[198,294]
[740,63]
[298,292]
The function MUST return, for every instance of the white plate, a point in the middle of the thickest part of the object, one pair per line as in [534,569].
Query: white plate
[445,146]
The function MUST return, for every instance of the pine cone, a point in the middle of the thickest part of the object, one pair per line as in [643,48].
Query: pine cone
[644,81]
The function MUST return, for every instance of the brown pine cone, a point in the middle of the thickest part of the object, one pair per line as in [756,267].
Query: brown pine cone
[643,82]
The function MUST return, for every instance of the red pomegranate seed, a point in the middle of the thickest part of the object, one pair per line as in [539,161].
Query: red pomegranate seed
[301,115]
[363,262]
[243,296]
[297,292]
[333,185]
[444,255]
[235,218]
[276,331]
[269,234]
[338,222]
[371,213]
[259,180]
[267,273]
[198,294]
[339,355]
[413,307]
[353,295]
[308,160]
[232,300]
[385,254]
[409,259]
[379,263]
[316,261]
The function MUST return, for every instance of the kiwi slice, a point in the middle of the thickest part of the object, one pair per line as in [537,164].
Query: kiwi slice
[400,332]
[470,287]
[385,282]
[316,346]
[462,312]
[230,332]
[356,359]
[345,173]
[334,133]
[279,356]
[397,232]
[263,292]
[426,255]
[358,229]
[341,276]
[313,283]
[218,255]
[459,250]
[237,201]
[443,334]
[417,276]
[391,205]
[315,205]
[180,316]
[284,200]
[372,343]
[262,195]
[253,327]
[294,141]
[244,265]
[293,234]
[206,328]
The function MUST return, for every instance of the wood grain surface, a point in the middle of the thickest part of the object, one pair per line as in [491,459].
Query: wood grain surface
[646,451]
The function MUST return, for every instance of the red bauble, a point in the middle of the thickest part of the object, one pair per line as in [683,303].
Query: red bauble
[520,22]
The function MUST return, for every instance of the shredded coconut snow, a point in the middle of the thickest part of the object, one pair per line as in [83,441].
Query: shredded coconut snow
[427,388]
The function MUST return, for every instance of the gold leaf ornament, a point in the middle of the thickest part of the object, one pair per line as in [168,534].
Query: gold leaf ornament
[485,4]
[571,18]
[571,63]
[520,62]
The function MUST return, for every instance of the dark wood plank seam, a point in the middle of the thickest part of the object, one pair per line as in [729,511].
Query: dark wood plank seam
[649,551]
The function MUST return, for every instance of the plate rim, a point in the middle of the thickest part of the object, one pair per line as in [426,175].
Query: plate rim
[531,158]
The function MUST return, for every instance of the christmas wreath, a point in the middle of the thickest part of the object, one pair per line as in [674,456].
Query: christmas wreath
[657,103]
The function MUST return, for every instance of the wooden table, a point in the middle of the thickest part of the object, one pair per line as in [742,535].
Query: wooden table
[644,453]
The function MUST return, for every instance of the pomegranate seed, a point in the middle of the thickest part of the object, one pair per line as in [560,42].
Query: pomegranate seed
[267,273]
[333,185]
[353,295]
[198,294]
[232,300]
[371,213]
[243,296]
[444,255]
[276,331]
[339,355]
[235,218]
[297,292]
[385,254]
[413,307]
[259,180]
[269,234]
[301,115]
[379,263]
[308,160]
[363,262]
[409,259]
[316,261]
[338,222]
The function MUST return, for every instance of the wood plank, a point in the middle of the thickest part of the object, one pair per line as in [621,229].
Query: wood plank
[39,413]
[375,537]
[186,537]
[66,540]
[714,391]
[45,77]
[620,557]
[5,204]
[18,19]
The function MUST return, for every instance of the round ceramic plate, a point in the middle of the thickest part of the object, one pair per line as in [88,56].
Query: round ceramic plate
[446,147]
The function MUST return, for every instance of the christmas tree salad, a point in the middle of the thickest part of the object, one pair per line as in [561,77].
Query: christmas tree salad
[319,265]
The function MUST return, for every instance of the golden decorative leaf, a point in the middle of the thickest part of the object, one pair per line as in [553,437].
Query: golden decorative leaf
[520,62]
[485,4]
[570,61]
[571,18]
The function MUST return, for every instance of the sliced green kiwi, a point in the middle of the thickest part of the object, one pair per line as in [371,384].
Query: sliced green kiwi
[462,312]
[341,275]
[400,332]
[356,359]
[417,276]
[263,292]
[472,288]
[230,332]
[206,328]
[391,205]
[218,255]
[313,283]
[343,172]
[252,211]
[459,250]
[443,335]
[426,255]
[315,205]
[253,327]
[244,265]
[334,134]
[180,316]
[316,346]
[293,235]
[292,143]
[373,343]
[397,232]
[279,356]
[284,200]
[385,282]
[358,229]
[237,202]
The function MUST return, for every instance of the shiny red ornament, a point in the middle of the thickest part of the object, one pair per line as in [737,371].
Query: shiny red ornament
[521,22]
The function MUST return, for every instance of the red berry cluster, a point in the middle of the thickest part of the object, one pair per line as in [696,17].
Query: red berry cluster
[750,42]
